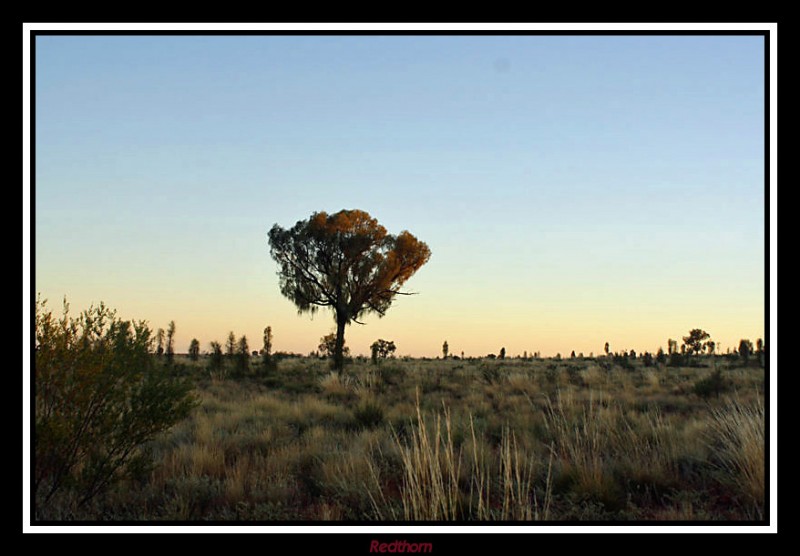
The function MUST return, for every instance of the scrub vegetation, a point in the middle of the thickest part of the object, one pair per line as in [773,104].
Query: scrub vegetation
[124,433]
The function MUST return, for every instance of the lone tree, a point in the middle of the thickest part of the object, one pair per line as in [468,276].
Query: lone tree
[445,349]
[345,261]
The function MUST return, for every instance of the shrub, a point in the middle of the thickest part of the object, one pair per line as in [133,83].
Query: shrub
[490,374]
[712,385]
[98,399]
[676,360]
[216,367]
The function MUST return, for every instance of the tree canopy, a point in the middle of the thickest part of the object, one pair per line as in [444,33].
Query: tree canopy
[694,341]
[346,261]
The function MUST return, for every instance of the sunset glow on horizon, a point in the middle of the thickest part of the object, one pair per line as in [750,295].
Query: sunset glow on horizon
[573,190]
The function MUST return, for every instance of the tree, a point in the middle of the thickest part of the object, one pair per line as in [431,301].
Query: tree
[710,347]
[268,341]
[99,399]
[347,262]
[242,355]
[382,349]
[694,341]
[572,355]
[170,351]
[230,346]
[194,349]
[216,366]
[745,350]
[160,342]
[502,353]
[266,355]
[445,349]
[660,357]
[760,351]
[327,346]
[672,346]
[606,348]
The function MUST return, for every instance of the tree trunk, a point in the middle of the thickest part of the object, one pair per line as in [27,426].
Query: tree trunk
[338,355]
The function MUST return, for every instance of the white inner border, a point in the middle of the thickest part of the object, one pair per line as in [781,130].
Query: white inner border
[421,27]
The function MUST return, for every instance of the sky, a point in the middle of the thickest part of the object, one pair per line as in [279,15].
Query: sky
[573,190]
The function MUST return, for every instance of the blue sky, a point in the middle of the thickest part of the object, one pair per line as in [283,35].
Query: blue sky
[573,189]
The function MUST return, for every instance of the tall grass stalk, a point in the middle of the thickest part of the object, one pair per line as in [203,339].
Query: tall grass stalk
[737,435]
[431,470]
[431,467]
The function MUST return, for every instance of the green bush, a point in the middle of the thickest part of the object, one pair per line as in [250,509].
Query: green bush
[712,385]
[98,399]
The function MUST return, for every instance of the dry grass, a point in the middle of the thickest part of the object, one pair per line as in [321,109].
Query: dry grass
[501,484]
[431,465]
[736,434]
[457,440]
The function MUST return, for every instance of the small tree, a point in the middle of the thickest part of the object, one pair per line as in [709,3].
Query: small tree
[572,355]
[660,357]
[745,350]
[693,343]
[216,367]
[502,353]
[327,347]
[170,351]
[230,346]
[160,342]
[267,363]
[760,351]
[242,356]
[606,348]
[194,349]
[445,349]
[672,346]
[382,349]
